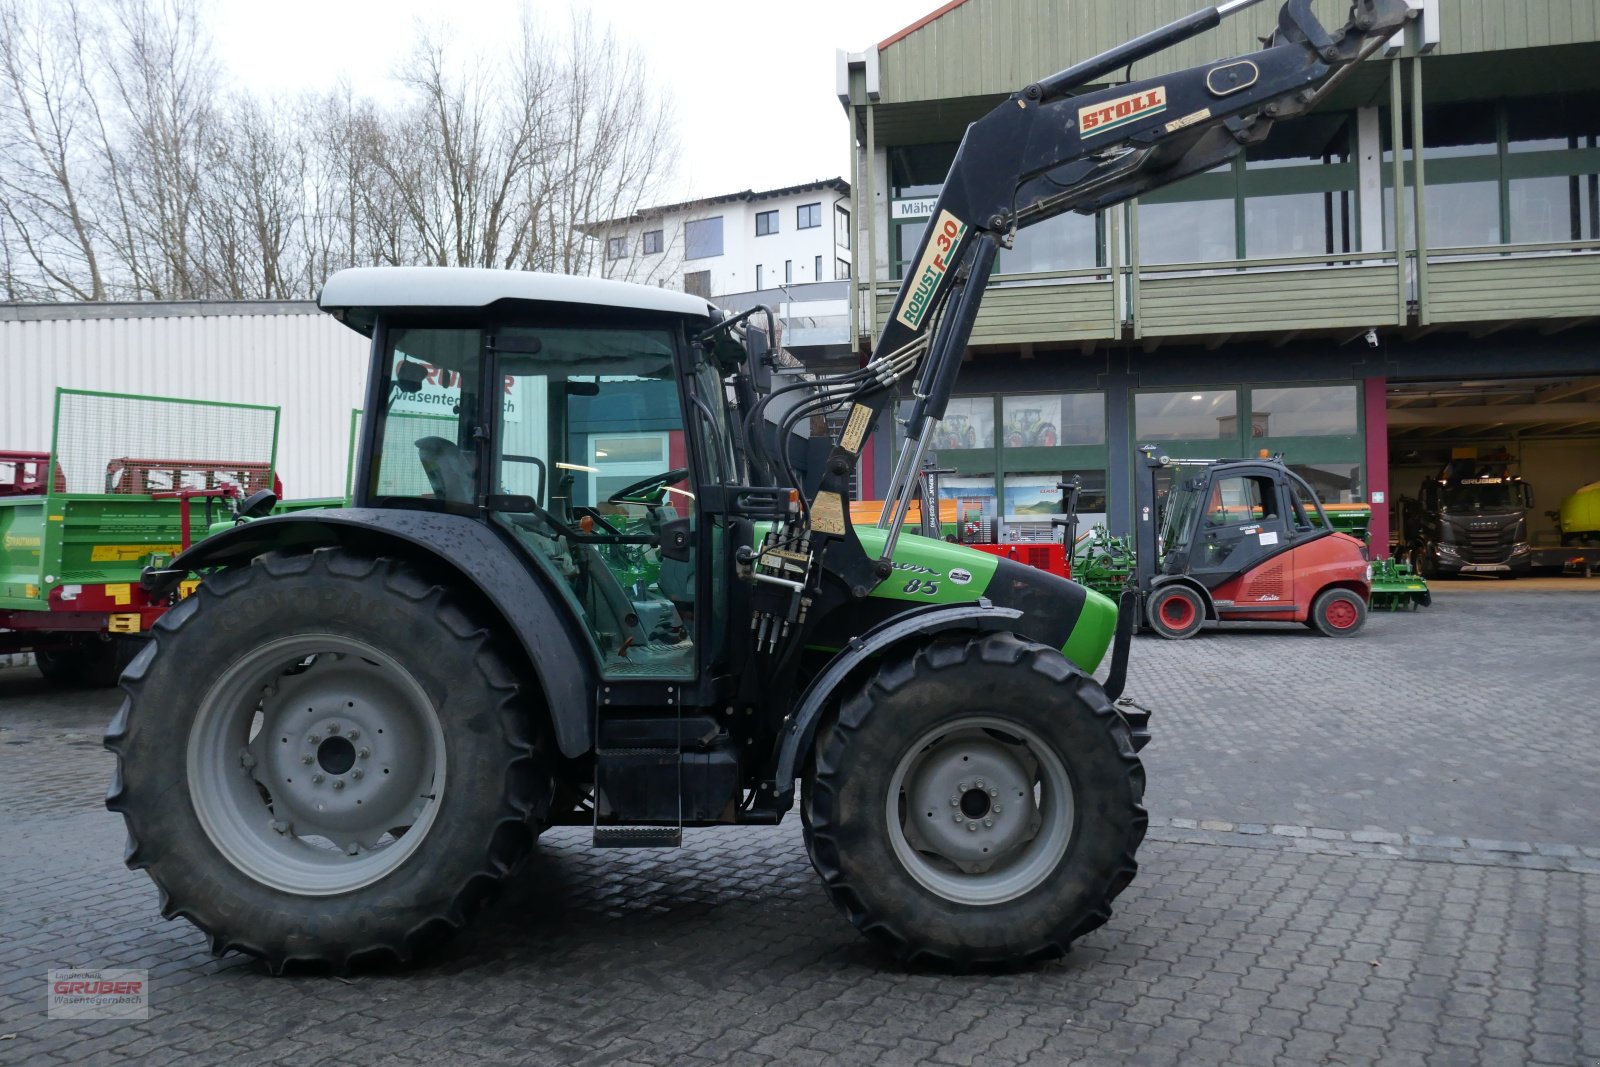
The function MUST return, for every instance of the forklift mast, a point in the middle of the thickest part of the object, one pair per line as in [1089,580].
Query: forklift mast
[1042,152]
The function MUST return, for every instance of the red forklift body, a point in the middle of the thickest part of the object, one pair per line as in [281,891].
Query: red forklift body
[1282,588]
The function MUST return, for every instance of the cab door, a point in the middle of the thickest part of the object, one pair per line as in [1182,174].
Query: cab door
[1241,523]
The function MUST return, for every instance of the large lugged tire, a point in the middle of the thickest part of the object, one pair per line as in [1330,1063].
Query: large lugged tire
[977,804]
[322,758]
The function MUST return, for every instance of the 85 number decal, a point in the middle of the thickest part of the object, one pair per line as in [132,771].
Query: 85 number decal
[921,585]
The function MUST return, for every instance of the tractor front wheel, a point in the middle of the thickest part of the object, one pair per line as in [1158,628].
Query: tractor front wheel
[1175,612]
[323,758]
[1338,613]
[976,804]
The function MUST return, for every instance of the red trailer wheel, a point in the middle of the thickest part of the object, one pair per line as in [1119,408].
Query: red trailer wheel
[1175,612]
[1338,613]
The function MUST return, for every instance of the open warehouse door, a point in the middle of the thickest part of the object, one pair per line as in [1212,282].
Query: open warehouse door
[1496,477]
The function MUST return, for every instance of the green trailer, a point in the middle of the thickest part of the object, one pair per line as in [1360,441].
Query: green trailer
[129,482]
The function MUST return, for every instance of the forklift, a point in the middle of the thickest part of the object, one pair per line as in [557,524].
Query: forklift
[1242,541]
[339,747]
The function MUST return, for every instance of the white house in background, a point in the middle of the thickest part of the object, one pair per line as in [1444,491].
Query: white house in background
[787,248]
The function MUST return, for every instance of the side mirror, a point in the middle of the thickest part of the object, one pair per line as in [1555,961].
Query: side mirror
[259,503]
[409,376]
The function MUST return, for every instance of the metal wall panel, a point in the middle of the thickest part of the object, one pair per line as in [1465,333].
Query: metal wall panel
[306,363]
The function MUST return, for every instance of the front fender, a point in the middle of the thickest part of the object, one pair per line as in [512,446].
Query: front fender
[800,728]
[477,553]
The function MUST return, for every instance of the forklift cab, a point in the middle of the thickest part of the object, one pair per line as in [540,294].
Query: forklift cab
[1227,517]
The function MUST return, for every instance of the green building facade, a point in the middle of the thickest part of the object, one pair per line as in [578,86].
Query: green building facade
[1266,304]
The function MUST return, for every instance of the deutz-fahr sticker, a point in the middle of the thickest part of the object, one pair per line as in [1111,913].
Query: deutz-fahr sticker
[1114,114]
[945,238]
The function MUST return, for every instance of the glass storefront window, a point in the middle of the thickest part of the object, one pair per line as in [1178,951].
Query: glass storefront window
[1193,231]
[1050,420]
[1298,190]
[1066,242]
[1461,214]
[1188,415]
[1304,411]
[968,423]
[1335,483]
[907,236]
[1297,224]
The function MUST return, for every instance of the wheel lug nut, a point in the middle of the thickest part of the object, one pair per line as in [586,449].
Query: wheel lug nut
[364,753]
[962,786]
[972,826]
[353,734]
[956,816]
[987,822]
[246,760]
[997,809]
[993,791]
[338,783]
[333,727]
[306,760]
[351,849]
[316,779]
[313,739]
[356,774]
[955,801]
[979,783]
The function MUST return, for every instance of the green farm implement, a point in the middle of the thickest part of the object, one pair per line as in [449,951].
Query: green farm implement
[79,524]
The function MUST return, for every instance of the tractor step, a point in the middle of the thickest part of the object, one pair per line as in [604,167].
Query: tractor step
[638,836]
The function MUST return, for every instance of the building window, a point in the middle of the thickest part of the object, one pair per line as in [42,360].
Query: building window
[766,222]
[1054,419]
[698,283]
[1187,415]
[816,271]
[617,248]
[758,277]
[1304,411]
[967,423]
[652,242]
[807,217]
[702,238]
[841,226]
[841,270]
[788,272]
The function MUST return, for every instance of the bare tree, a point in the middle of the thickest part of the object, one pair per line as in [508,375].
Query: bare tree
[126,171]
[46,119]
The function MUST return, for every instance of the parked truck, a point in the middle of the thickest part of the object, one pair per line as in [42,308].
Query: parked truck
[1471,519]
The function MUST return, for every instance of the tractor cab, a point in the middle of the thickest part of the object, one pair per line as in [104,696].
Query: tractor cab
[1243,540]
[581,419]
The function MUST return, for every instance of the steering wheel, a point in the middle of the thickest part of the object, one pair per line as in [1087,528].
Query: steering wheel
[629,494]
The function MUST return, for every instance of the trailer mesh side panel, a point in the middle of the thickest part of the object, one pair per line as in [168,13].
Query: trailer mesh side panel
[105,443]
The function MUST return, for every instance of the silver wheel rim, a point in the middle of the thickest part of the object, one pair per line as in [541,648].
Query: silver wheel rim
[315,764]
[971,850]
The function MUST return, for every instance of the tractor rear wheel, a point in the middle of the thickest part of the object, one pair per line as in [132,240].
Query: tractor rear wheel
[1338,613]
[1175,612]
[324,759]
[976,804]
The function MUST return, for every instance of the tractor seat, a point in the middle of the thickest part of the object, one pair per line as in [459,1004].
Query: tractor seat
[452,473]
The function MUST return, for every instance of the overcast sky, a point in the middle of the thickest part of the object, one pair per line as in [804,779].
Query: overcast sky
[760,70]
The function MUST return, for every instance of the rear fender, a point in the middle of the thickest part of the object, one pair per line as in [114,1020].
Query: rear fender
[474,552]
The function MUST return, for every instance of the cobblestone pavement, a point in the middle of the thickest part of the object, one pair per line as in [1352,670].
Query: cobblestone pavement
[1305,896]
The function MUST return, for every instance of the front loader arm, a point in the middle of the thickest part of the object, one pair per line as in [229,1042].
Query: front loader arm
[1039,154]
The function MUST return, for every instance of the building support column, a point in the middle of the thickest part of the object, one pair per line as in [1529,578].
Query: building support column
[1117,383]
[1375,405]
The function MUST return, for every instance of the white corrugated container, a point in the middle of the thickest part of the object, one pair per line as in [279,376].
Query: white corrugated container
[285,354]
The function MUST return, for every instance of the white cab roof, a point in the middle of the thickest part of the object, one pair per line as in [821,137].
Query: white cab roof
[357,294]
